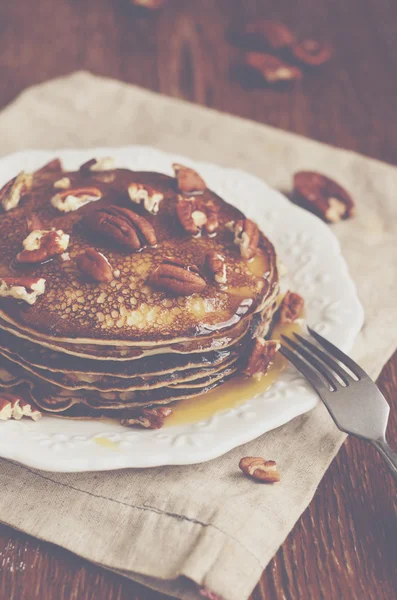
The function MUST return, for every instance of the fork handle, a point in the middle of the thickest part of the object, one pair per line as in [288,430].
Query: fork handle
[388,454]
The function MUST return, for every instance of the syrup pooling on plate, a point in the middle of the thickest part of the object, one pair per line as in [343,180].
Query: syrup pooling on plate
[234,392]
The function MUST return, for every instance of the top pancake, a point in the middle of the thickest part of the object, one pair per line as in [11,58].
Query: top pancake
[129,310]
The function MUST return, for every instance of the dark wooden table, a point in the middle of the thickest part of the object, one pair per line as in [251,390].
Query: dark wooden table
[345,545]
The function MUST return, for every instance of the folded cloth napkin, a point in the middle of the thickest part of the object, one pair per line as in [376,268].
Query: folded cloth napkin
[204,528]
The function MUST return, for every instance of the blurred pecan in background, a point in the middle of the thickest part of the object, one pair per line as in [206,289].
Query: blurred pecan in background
[272,68]
[322,196]
[313,53]
[268,34]
[150,4]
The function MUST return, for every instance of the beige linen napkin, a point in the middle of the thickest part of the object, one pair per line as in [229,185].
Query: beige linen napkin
[172,528]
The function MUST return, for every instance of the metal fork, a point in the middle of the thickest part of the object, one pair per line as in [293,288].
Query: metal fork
[354,401]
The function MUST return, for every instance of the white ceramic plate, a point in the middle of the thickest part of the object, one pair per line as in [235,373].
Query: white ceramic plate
[317,271]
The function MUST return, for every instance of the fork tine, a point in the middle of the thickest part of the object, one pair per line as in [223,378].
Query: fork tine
[312,360]
[345,377]
[307,371]
[339,355]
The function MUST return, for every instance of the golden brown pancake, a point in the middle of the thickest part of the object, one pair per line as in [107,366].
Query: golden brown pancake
[122,333]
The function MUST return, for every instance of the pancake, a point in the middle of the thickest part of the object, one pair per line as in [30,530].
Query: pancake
[121,290]
[128,310]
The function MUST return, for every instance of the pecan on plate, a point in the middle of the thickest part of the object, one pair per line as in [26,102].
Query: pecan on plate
[260,354]
[149,418]
[122,226]
[73,199]
[14,407]
[189,181]
[246,236]
[149,4]
[178,278]
[264,471]
[95,265]
[322,196]
[195,214]
[266,33]
[216,265]
[291,308]
[146,195]
[12,192]
[27,289]
[52,167]
[96,165]
[313,53]
[271,68]
[43,244]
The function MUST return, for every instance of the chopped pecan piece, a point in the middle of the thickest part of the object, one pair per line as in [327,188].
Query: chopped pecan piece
[216,264]
[271,68]
[189,181]
[122,226]
[62,184]
[246,236]
[14,407]
[267,33]
[178,278]
[264,471]
[194,214]
[313,53]
[73,199]
[149,418]
[27,289]
[14,190]
[322,196]
[95,265]
[260,355]
[43,244]
[291,308]
[96,165]
[146,195]
[52,167]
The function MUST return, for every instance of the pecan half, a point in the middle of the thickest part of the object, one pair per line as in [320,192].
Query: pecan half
[54,166]
[14,190]
[62,184]
[42,244]
[95,265]
[14,407]
[178,278]
[322,196]
[246,236]
[291,308]
[195,214]
[313,53]
[261,354]
[189,181]
[73,199]
[96,165]
[271,68]
[149,4]
[122,226]
[267,33]
[216,265]
[146,195]
[27,289]
[149,418]
[264,471]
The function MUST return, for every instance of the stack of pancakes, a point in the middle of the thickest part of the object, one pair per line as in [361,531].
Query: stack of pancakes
[88,344]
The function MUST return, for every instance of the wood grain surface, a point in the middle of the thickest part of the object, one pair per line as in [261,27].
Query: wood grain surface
[345,545]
